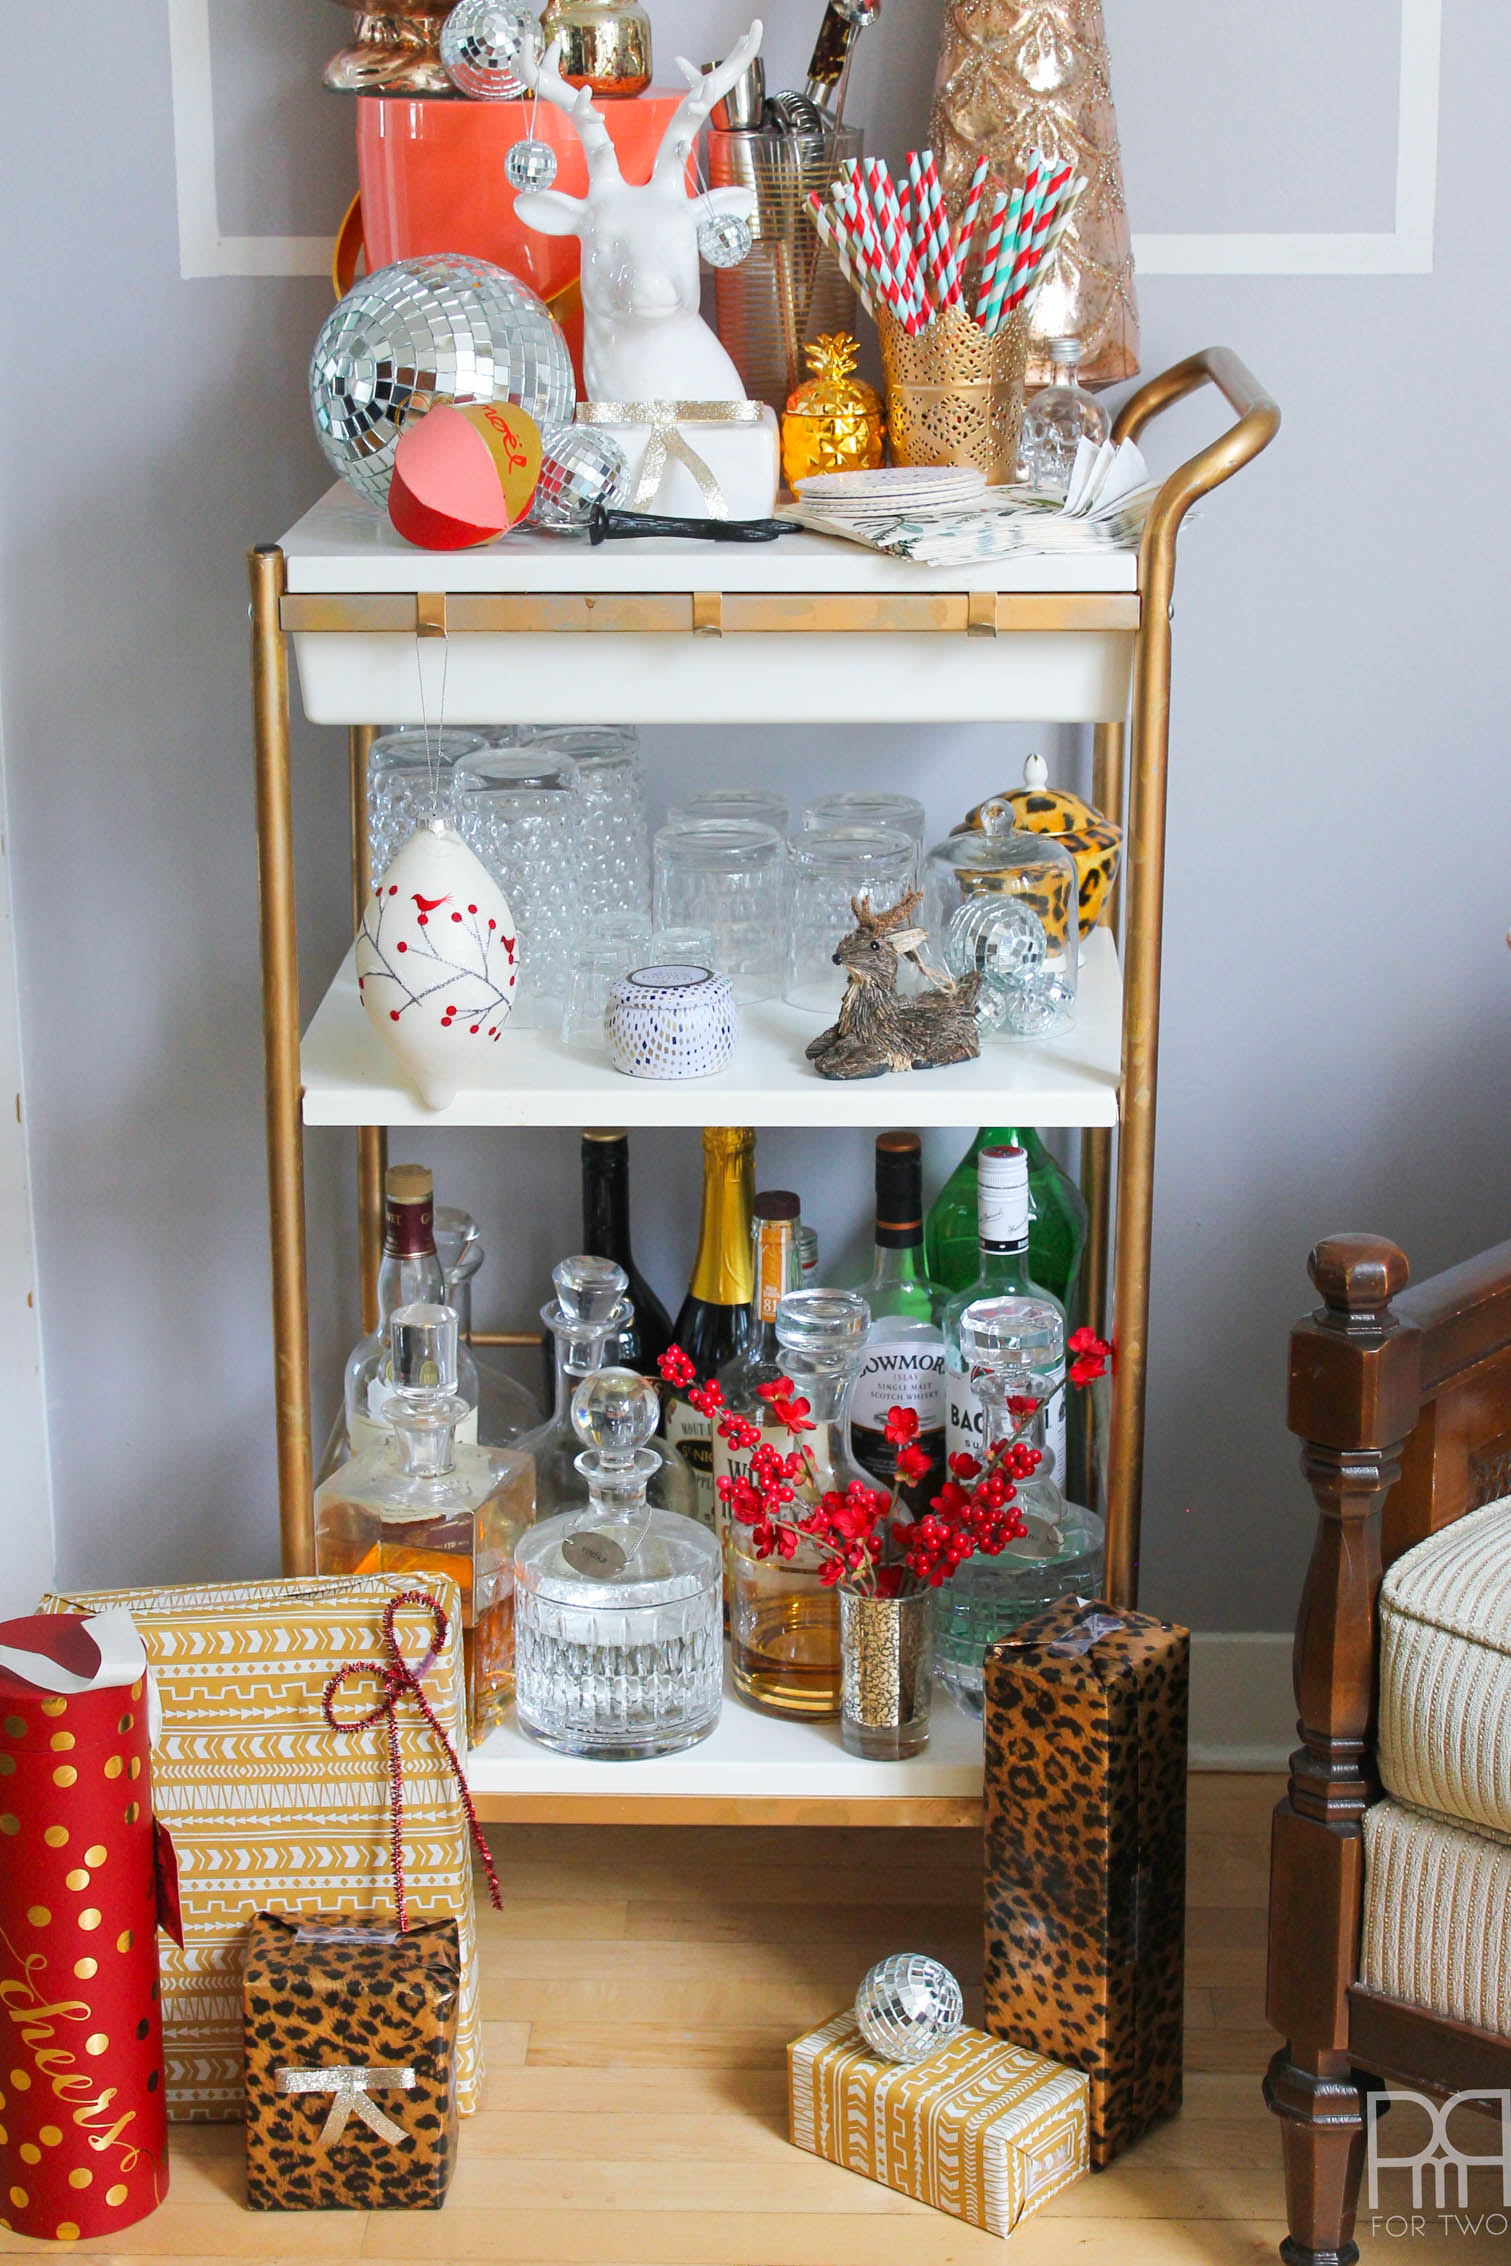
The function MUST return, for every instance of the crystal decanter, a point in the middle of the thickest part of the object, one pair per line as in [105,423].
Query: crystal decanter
[619,1613]
[989,1597]
[421,1502]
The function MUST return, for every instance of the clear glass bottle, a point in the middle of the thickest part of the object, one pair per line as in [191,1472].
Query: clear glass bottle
[409,1273]
[422,1502]
[1057,419]
[588,1313]
[1057,1218]
[1063,1549]
[714,1319]
[784,1624]
[504,1408]
[620,1628]
[1002,1212]
[776,1268]
[904,1363]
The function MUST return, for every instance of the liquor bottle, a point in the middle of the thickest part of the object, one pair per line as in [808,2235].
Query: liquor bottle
[777,1269]
[588,1312]
[504,1408]
[423,1502]
[1002,1210]
[784,1623]
[904,1364]
[1057,1217]
[409,1273]
[715,1318]
[606,1235]
[807,1254]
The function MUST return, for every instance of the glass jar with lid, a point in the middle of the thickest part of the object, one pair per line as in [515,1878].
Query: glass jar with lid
[620,1615]
[784,1622]
[1005,903]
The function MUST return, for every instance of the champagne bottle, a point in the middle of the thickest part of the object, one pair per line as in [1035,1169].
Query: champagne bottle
[1057,1218]
[714,1321]
[606,1235]
[904,1360]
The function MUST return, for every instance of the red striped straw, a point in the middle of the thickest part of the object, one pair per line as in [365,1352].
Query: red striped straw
[879,261]
[991,253]
[832,231]
[1031,254]
[938,232]
[906,253]
[960,250]
[1047,245]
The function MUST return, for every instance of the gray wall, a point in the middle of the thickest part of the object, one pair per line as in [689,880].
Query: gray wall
[1335,1022]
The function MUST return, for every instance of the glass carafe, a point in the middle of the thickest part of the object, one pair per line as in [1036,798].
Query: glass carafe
[1063,1549]
[589,1310]
[620,1621]
[784,1623]
[504,1408]
[423,1503]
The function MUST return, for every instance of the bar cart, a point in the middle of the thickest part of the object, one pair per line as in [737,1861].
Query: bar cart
[670,631]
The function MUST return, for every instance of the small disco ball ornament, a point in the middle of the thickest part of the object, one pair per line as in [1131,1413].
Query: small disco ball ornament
[999,937]
[724,239]
[530,164]
[480,45]
[580,468]
[908,2007]
[437,329]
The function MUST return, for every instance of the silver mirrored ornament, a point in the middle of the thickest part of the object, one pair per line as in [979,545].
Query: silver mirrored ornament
[530,164]
[724,239]
[480,44]
[1035,1006]
[580,467]
[996,935]
[908,2006]
[440,328]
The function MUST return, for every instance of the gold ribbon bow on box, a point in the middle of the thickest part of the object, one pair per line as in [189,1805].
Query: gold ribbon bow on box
[353,2087]
[665,418]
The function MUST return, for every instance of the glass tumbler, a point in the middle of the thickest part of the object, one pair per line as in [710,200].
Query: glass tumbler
[609,948]
[749,803]
[410,777]
[860,808]
[521,810]
[827,867]
[725,876]
[615,818]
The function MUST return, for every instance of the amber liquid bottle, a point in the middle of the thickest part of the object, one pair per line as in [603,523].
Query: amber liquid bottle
[714,1321]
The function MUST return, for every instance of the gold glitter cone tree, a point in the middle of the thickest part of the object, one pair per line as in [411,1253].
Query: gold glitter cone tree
[1015,75]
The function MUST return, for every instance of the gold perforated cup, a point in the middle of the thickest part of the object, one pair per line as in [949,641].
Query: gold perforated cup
[954,395]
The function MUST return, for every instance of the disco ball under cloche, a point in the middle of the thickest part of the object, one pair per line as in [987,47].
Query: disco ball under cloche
[440,328]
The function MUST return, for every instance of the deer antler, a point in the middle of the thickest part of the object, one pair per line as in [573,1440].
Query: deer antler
[543,77]
[704,89]
[898,915]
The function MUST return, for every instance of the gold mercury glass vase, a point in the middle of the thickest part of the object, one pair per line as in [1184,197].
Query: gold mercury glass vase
[1019,75]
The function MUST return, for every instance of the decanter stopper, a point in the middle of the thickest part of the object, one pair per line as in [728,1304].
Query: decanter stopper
[422,1347]
[589,1290]
[992,1344]
[614,1413]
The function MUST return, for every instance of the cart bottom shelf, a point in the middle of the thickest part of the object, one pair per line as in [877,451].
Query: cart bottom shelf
[754,1769]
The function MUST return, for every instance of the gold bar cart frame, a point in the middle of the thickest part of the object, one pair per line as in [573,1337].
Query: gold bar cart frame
[1120,1235]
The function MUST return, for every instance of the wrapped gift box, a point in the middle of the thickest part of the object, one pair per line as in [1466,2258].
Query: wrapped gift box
[350,2036]
[983,2130]
[1086,1854]
[270,1809]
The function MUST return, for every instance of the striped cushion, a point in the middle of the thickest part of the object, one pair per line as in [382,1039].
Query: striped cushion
[1437,1916]
[1445,1672]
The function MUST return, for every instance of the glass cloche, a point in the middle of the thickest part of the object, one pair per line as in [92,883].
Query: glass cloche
[1005,903]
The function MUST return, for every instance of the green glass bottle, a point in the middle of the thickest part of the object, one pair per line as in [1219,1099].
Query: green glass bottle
[1057,1223]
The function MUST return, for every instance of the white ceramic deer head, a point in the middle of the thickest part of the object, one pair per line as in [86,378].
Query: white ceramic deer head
[643,337]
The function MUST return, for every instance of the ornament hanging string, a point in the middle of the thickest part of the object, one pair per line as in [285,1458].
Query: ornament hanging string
[433,753]
[396,1681]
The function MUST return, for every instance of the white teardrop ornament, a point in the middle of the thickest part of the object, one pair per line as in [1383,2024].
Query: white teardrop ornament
[436,957]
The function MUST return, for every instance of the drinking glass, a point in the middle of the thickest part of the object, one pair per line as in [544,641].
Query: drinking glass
[610,948]
[410,777]
[725,876]
[826,867]
[521,810]
[616,819]
[684,948]
[752,804]
[859,807]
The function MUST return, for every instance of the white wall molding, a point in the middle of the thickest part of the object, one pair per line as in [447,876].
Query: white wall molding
[1405,249]
[1243,1712]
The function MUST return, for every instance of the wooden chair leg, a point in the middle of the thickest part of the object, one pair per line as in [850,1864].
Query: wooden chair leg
[1322,2136]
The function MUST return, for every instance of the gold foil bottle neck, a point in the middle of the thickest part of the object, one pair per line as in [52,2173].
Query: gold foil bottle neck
[724,1272]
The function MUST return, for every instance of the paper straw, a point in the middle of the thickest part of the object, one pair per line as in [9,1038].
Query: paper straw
[1058,203]
[991,250]
[938,230]
[832,233]
[960,250]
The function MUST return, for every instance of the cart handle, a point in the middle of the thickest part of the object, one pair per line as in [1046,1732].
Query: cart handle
[1258,423]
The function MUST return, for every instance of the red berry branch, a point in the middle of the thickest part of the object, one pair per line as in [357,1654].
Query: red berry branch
[863,1541]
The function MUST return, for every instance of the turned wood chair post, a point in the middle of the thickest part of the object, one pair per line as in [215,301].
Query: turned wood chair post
[1354,1396]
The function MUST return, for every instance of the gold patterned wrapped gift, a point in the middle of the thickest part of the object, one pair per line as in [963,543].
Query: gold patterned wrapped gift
[271,1810]
[983,2130]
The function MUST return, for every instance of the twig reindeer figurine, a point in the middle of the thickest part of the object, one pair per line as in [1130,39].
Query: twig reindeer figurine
[643,337]
[876,1030]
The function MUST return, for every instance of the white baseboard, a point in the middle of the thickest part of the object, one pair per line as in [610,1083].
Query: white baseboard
[1243,1713]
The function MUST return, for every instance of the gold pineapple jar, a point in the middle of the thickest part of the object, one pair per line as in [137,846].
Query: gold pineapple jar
[834,421]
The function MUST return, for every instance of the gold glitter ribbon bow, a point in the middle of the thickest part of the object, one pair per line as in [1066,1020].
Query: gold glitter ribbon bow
[665,419]
[353,2087]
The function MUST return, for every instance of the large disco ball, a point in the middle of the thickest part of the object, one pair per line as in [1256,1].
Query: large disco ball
[441,328]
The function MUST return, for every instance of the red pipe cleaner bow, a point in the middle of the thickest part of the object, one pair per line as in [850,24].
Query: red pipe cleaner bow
[397,1680]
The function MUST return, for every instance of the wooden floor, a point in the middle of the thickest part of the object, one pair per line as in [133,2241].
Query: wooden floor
[639,1992]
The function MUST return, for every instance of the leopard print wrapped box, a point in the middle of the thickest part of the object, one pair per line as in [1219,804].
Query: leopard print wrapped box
[1086,1855]
[350,2038]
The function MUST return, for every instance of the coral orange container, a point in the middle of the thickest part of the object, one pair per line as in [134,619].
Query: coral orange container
[433,180]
